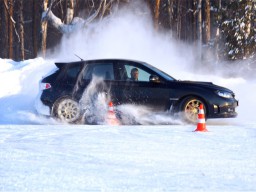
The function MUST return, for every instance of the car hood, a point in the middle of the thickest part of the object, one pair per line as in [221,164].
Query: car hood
[205,85]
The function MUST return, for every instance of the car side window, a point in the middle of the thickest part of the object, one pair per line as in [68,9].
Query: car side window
[142,74]
[104,70]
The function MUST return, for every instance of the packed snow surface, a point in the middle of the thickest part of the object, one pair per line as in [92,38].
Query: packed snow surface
[127,158]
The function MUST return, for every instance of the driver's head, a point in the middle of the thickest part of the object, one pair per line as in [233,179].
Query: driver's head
[135,73]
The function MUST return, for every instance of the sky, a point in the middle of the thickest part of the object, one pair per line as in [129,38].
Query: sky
[41,154]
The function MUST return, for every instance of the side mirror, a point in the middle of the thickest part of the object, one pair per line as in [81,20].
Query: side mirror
[154,78]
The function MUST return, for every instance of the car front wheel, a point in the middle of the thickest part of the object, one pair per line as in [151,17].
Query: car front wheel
[189,109]
[67,110]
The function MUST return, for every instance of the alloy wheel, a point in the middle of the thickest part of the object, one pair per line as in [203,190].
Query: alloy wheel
[68,110]
[191,110]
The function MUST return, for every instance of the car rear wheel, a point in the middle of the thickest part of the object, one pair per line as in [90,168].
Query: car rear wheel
[67,110]
[189,109]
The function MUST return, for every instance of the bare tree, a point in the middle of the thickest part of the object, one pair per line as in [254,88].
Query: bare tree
[11,23]
[207,21]
[199,29]
[70,11]
[76,23]
[195,20]
[6,34]
[199,21]
[157,6]
[44,25]
[9,9]
[217,36]
[170,13]
[104,8]
[21,30]
[179,17]
[35,29]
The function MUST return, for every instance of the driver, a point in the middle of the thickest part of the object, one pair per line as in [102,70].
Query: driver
[134,74]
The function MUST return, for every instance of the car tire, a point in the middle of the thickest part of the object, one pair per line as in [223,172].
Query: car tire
[67,110]
[189,108]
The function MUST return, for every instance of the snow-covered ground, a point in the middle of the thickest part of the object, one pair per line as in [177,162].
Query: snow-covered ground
[40,154]
[127,158]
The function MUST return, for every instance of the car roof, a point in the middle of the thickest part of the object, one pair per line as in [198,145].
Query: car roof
[62,64]
[91,61]
[130,60]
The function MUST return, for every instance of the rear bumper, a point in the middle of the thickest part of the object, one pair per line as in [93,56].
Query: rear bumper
[41,108]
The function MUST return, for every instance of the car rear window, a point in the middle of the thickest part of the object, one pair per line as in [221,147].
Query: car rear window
[73,71]
[104,70]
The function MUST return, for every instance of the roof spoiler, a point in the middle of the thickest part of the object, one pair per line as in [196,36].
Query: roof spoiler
[63,64]
[60,65]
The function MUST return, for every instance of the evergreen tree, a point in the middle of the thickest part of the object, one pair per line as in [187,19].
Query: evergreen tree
[238,29]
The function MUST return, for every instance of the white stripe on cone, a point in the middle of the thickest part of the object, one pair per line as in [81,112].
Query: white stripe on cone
[201,121]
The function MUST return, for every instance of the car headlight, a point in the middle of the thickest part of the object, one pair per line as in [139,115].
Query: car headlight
[224,94]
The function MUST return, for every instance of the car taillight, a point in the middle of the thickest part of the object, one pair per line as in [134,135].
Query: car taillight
[45,86]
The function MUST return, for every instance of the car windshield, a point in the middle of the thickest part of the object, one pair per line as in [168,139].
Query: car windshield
[158,71]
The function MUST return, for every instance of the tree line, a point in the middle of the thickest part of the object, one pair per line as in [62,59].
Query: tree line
[226,29]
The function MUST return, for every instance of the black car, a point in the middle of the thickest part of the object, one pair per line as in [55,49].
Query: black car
[63,89]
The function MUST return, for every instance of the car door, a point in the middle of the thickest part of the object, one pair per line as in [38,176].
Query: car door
[99,77]
[143,91]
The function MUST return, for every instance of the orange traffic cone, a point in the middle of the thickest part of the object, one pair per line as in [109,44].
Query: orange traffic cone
[201,126]
[111,116]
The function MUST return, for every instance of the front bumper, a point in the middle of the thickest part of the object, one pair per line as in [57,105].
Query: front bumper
[226,110]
